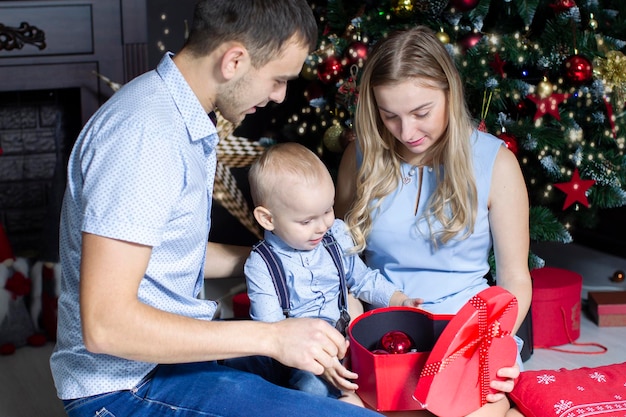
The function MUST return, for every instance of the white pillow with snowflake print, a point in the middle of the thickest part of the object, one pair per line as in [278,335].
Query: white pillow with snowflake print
[578,392]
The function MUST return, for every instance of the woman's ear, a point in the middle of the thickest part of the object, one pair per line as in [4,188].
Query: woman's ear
[264,217]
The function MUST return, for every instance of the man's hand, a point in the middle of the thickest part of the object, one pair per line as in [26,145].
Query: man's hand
[308,344]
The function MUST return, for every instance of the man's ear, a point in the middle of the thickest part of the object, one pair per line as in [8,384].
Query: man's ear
[264,217]
[235,61]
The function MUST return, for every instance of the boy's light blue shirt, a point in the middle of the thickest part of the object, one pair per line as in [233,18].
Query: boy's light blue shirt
[313,280]
[141,171]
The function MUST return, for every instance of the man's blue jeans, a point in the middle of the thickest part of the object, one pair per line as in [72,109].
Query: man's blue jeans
[209,389]
[285,376]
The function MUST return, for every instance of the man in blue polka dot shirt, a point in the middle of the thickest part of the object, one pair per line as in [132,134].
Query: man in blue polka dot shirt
[134,339]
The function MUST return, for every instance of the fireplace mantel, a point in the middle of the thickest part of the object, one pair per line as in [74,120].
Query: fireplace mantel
[53,50]
[81,38]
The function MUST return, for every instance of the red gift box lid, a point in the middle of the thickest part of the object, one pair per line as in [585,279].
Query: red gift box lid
[473,346]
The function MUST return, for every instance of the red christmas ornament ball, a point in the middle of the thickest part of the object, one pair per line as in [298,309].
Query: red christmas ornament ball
[470,40]
[578,69]
[560,6]
[396,342]
[510,141]
[464,5]
[330,69]
[356,53]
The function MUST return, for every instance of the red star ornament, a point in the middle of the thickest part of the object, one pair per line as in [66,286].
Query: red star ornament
[575,190]
[548,105]
[498,65]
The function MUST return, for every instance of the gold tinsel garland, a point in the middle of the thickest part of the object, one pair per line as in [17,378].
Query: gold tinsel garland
[234,152]
[612,71]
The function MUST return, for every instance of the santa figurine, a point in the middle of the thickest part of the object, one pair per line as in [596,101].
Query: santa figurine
[46,280]
[16,325]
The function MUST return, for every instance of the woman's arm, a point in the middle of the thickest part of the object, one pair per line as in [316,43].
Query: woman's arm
[346,181]
[224,261]
[508,216]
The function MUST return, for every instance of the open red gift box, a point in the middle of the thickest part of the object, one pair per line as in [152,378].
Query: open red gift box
[456,356]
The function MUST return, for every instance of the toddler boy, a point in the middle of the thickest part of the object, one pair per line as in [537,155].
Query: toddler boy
[294,194]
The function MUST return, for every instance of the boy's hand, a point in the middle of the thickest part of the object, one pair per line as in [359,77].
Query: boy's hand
[413,302]
[400,299]
[340,377]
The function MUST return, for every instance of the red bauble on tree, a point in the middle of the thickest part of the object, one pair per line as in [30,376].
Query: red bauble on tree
[330,69]
[560,6]
[510,141]
[578,69]
[470,40]
[356,53]
[464,5]
[396,342]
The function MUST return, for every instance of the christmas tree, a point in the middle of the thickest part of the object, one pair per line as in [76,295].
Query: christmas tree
[548,77]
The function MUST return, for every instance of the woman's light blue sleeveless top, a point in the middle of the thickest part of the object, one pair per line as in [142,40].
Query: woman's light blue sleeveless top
[400,247]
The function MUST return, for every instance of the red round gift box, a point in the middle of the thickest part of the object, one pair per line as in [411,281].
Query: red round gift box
[241,305]
[555,306]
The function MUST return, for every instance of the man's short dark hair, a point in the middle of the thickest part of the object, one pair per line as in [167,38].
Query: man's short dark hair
[262,26]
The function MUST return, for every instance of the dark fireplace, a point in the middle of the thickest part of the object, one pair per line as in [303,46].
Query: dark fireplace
[37,131]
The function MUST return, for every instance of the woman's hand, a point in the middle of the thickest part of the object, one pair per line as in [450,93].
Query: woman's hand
[504,386]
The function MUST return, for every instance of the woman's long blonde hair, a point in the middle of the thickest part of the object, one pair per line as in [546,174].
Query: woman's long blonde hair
[415,54]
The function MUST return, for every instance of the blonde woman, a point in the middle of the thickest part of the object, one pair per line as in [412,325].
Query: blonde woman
[425,194]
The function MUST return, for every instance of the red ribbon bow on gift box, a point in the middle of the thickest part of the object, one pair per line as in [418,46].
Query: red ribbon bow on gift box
[469,352]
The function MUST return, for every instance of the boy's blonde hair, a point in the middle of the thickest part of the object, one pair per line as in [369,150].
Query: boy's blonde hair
[280,163]
[414,55]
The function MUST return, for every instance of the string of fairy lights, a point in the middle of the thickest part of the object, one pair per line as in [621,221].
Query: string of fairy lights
[556,100]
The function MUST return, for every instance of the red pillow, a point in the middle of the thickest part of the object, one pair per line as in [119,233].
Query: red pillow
[578,392]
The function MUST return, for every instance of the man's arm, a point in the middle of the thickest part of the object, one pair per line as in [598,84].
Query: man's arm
[116,322]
